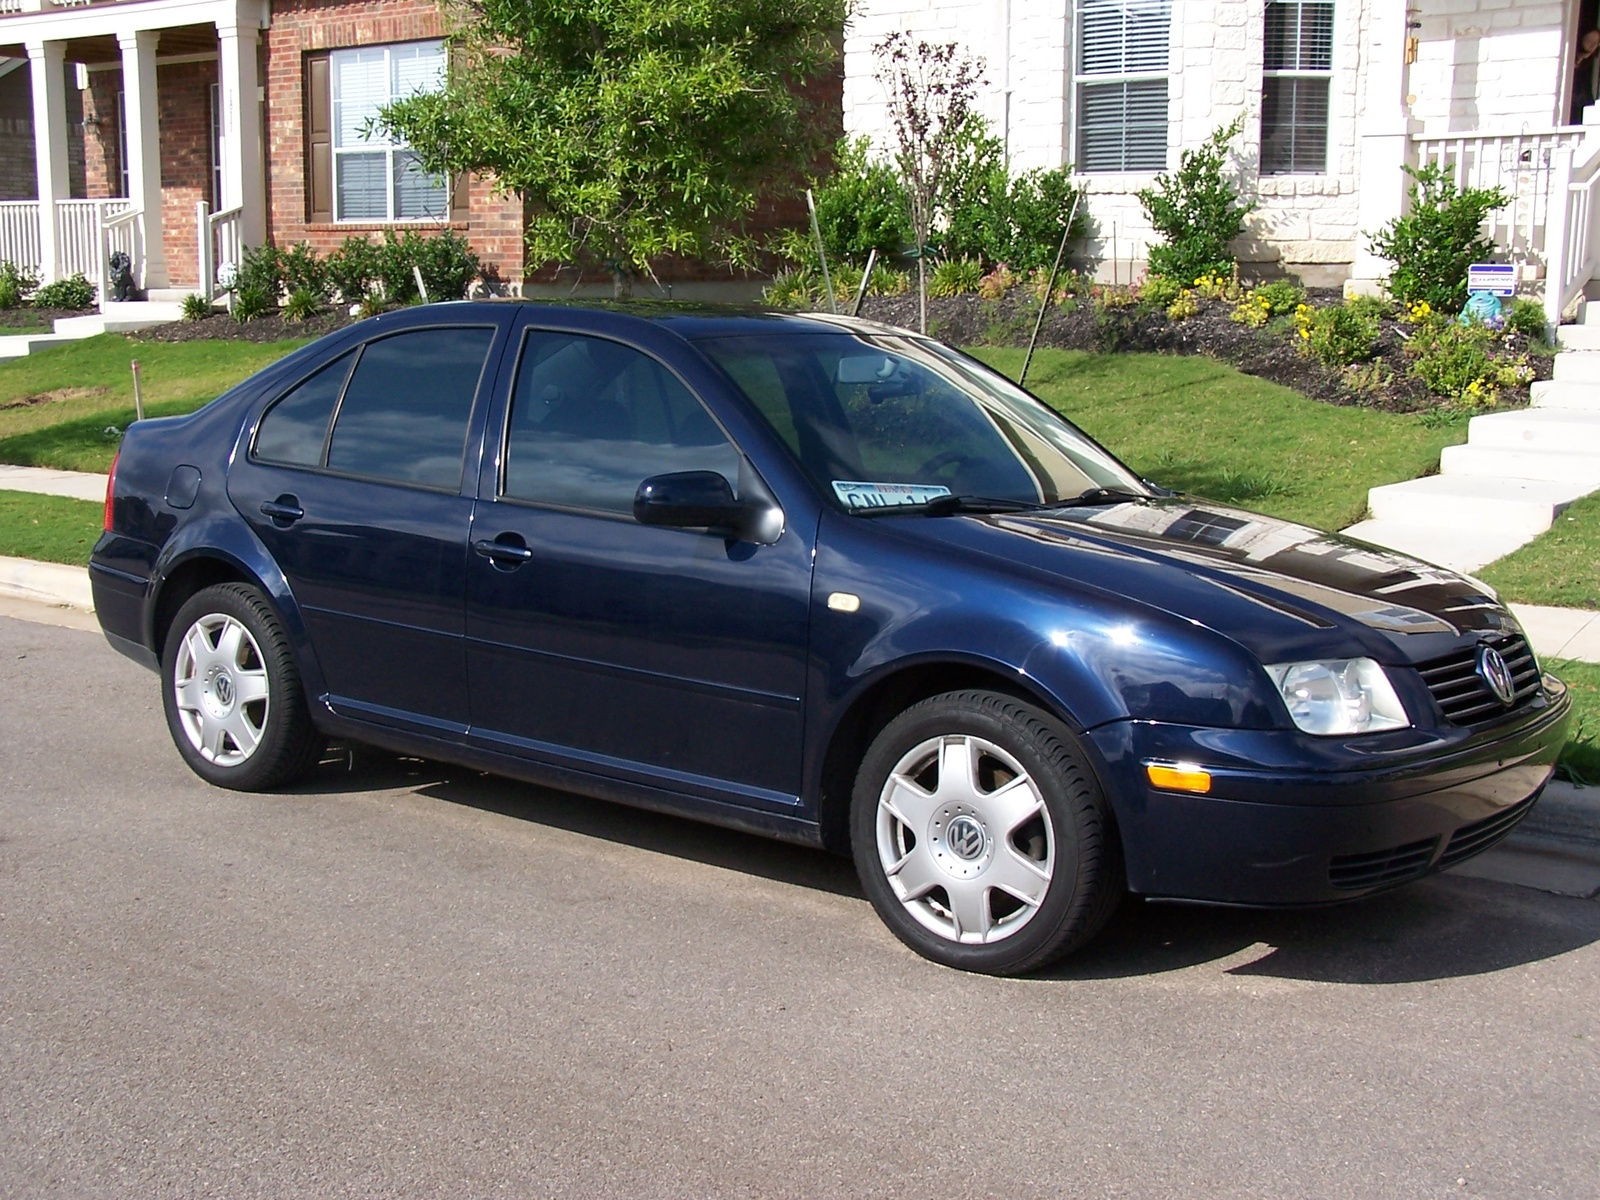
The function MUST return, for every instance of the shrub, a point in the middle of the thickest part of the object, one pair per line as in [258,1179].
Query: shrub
[1340,334]
[789,289]
[1159,291]
[196,307]
[301,271]
[954,276]
[261,271]
[72,292]
[1038,203]
[302,305]
[1113,296]
[250,302]
[994,218]
[447,263]
[861,207]
[15,284]
[1277,299]
[352,268]
[1432,246]
[887,281]
[997,282]
[1184,307]
[1464,363]
[1196,211]
[1527,318]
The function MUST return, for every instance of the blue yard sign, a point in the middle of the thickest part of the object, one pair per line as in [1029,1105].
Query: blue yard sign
[1498,279]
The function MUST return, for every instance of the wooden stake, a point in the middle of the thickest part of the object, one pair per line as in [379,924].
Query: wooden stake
[138,396]
[866,275]
[816,232]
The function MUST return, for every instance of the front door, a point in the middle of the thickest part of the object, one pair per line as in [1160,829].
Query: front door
[353,482]
[659,655]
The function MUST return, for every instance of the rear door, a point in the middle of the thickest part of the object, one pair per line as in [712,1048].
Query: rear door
[354,482]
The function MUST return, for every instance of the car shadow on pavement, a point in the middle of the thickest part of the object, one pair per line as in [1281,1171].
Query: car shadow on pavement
[1443,927]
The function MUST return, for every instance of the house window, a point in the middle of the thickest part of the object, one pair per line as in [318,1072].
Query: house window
[356,177]
[1294,91]
[1122,84]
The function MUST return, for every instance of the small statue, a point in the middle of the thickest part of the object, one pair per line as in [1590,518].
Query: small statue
[122,277]
[1483,308]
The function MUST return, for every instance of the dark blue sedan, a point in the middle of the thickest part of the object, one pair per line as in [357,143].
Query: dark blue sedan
[823,580]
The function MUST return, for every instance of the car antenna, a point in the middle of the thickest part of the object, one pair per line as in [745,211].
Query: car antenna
[866,275]
[1049,289]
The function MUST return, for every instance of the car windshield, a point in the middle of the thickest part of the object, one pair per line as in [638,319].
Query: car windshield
[883,422]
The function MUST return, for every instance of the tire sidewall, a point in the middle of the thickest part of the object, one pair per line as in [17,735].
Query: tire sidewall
[1048,934]
[234,600]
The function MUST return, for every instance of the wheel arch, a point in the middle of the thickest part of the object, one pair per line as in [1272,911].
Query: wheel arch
[886,696]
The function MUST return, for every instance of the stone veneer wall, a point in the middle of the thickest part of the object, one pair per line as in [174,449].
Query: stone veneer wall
[1481,62]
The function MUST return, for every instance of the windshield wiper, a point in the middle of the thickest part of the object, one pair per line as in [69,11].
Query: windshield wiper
[1100,495]
[944,506]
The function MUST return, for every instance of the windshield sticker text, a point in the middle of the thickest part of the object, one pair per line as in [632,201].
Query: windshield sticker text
[885,495]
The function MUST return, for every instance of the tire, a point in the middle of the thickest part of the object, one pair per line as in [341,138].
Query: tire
[982,837]
[234,702]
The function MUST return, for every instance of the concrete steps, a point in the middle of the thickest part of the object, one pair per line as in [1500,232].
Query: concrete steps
[113,317]
[1512,478]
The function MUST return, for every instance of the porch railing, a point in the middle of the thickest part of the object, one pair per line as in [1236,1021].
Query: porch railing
[122,231]
[1524,163]
[19,234]
[219,242]
[81,238]
[1573,256]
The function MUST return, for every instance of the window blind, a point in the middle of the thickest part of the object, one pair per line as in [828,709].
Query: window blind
[1122,59]
[1298,62]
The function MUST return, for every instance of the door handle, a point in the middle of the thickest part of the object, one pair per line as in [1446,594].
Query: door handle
[503,552]
[285,510]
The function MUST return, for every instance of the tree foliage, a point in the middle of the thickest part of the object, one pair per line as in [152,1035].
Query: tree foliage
[1197,212]
[631,128]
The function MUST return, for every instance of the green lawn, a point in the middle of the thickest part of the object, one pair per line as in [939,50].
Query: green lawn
[1200,426]
[1560,566]
[1580,761]
[57,406]
[48,528]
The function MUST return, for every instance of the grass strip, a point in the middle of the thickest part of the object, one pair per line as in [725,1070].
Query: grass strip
[1561,566]
[1200,426]
[54,529]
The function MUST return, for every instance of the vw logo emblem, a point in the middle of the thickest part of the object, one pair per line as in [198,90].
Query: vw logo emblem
[224,689]
[966,839]
[1496,674]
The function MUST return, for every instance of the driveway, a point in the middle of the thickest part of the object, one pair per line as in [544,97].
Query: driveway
[412,980]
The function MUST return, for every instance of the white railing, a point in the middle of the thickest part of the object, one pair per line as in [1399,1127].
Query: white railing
[1573,257]
[81,237]
[219,243]
[1523,162]
[19,234]
[122,231]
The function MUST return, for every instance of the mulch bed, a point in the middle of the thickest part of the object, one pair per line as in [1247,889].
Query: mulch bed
[28,317]
[220,326]
[1270,354]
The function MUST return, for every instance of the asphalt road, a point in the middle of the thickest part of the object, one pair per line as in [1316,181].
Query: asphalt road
[410,980]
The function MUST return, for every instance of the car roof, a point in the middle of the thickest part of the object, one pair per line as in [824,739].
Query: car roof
[694,321]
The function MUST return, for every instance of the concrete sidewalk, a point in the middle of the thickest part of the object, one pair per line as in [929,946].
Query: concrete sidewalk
[80,485]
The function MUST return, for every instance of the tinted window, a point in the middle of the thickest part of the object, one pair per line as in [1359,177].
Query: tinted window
[295,428]
[592,419]
[405,411]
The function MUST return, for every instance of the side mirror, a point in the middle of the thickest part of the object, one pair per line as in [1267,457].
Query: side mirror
[689,500]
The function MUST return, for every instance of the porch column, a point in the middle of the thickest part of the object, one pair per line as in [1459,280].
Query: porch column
[142,116]
[47,65]
[1385,140]
[242,182]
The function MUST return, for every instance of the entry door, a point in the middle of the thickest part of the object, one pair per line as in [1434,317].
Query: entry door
[353,482]
[661,655]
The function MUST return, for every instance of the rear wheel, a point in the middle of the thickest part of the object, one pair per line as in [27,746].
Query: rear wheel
[233,698]
[981,836]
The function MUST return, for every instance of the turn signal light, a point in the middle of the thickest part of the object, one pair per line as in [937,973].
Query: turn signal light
[1178,777]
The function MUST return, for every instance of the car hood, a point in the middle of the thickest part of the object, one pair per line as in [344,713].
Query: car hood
[1284,590]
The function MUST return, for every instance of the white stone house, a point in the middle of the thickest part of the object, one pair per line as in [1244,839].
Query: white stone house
[1336,96]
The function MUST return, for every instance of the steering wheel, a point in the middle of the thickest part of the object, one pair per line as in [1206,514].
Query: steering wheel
[945,458]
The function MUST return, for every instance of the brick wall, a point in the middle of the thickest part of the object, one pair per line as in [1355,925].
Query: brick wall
[17,181]
[494,226]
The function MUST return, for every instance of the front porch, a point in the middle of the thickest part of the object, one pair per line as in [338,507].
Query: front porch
[174,175]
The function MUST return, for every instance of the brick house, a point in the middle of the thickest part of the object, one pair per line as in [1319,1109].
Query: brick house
[1336,96]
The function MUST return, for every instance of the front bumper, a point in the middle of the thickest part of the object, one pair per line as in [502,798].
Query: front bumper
[1296,820]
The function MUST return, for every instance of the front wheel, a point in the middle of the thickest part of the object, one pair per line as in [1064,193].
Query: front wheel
[233,698]
[981,836]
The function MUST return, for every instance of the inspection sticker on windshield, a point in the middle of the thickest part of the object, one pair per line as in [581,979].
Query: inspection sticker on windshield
[886,495]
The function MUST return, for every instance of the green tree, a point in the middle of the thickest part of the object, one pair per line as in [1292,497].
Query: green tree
[631,129]
[1440,236]
[1197,212]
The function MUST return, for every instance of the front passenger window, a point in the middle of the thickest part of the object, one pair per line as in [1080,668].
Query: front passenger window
[591,419]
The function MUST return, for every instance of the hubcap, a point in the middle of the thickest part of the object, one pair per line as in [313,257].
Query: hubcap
[965,839]
[220,683]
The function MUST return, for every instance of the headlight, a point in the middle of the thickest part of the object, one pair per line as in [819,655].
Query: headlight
[1342,696]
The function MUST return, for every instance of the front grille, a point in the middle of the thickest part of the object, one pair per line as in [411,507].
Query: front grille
[1348,872]
[1462,695]
[1480,835]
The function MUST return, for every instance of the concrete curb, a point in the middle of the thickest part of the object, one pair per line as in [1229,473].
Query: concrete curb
[46,583]
[1567,814]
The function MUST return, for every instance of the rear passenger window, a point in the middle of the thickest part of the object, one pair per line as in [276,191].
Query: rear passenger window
[591,419]
[406,408]
[296,427]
